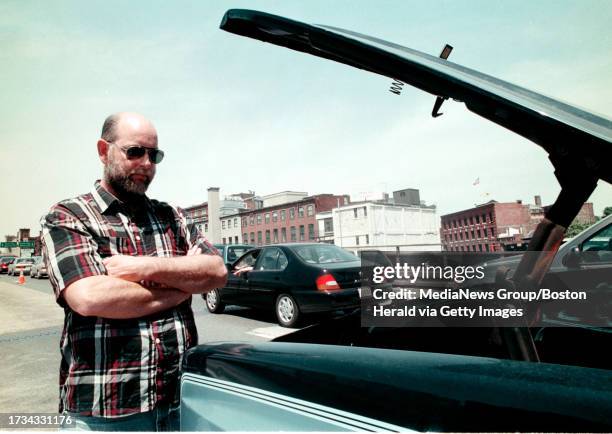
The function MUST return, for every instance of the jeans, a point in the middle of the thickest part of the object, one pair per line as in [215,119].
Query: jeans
[162,418]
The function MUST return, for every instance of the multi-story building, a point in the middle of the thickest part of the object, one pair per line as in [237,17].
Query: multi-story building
[481,229]
[403,223]
[283,222]
[496,226]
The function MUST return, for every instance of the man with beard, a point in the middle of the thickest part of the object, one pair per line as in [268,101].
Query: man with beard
[124,268]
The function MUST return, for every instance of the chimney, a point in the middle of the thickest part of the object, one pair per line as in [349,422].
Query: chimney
[214,222]
[538,201]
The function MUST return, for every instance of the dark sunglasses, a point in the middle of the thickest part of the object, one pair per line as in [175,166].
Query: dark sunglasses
[136,152]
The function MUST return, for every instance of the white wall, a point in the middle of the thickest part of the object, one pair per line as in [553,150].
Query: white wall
[386,226]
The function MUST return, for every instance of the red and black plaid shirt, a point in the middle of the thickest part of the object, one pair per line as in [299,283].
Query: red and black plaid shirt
[110,367]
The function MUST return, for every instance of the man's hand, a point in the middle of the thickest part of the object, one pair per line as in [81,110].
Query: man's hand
[130,268]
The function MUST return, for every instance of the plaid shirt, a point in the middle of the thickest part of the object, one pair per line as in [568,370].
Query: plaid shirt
[111,367]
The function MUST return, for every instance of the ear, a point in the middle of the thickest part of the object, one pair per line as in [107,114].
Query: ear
[103,148]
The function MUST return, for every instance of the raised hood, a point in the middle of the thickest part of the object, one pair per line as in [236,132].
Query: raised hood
[574,138]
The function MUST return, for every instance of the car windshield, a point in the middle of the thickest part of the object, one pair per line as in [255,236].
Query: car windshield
[25,261]
[323,254]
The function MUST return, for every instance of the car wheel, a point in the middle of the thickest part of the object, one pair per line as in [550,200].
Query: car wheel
[287,310]
[213,301]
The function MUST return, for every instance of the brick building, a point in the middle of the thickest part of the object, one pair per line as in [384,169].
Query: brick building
[286,222]
[482,228]
[495,226]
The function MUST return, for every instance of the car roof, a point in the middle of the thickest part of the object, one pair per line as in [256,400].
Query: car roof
[569,134]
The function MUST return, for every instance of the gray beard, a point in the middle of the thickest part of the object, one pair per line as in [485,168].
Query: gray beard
[125,188]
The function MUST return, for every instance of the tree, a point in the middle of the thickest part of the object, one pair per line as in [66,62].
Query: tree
[607,211]
[575,228]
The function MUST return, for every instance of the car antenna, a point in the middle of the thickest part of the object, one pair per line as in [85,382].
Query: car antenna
[440,99]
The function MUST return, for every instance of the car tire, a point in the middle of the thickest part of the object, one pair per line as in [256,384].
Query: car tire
[213,301]
[287,311]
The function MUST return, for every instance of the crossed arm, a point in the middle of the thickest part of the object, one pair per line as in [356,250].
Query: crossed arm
[121,295]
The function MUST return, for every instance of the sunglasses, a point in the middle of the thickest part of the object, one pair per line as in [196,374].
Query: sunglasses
[137,152]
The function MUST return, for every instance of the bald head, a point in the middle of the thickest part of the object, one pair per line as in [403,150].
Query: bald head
[127,124]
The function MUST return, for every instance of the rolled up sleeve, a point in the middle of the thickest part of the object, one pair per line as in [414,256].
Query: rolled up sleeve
[69,250]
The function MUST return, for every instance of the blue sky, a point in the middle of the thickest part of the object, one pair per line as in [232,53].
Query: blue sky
[240,114]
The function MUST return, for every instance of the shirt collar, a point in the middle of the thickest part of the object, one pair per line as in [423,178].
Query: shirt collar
[103,198]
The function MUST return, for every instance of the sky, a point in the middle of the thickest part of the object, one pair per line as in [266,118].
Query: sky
[239,114]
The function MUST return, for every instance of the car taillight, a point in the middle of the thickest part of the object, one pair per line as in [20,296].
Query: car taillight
[326,282]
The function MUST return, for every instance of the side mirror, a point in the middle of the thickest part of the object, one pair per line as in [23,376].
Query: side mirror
[572,259]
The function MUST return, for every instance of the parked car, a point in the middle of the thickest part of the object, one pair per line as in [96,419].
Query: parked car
[293,279]
[5,261]
[337,375]
[19,265]
[39,268]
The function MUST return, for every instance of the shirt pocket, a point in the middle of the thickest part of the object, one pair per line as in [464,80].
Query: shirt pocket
[110,246]
[166,243]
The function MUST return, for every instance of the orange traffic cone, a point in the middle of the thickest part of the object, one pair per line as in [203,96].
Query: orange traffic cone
[21,280]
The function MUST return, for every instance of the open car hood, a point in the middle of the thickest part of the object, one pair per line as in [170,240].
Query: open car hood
[577,141]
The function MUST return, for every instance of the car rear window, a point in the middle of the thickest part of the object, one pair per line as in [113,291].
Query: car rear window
[324,254]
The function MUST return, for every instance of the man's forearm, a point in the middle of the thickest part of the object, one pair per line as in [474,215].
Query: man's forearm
[193,274]
[111,297]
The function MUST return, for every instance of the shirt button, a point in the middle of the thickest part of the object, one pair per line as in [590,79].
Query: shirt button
[157,341]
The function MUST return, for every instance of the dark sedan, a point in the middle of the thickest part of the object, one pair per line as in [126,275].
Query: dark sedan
[5,261]
[292,279]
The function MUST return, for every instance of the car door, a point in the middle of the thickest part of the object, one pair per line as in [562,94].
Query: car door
[266,279]
[592,273]
[230,294]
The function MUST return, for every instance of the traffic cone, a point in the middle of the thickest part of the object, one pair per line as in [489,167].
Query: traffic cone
[21,280]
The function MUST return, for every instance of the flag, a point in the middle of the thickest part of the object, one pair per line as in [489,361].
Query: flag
[476,181]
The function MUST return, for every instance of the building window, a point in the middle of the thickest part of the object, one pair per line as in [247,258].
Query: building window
[310,210]
[258,219]
[311,233]
[252,220]
[487,247]
[302,233]
[293,233]
[223,240]
[252,237]
[275,235]
[268,236]
[245,238]
[205,227]
[292,213]
[328,226]
[367,239]
[259,238]
[283,235]
[283,214]
[223,225]
[355,212]
[357,240]
[235,222]
[365,212]
[275,216]
[301,212]
[267,217]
